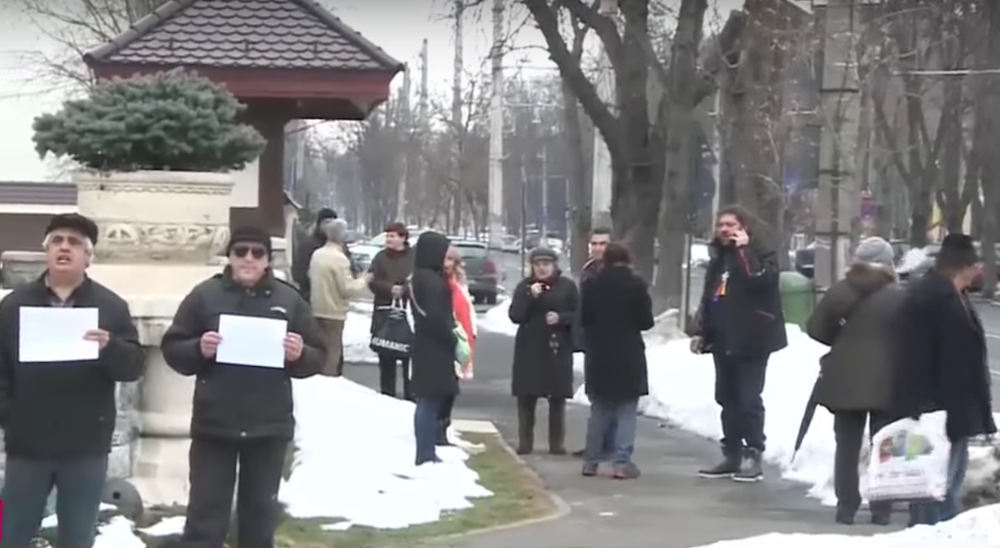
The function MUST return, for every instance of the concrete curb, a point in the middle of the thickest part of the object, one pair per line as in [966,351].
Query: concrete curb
[562,508]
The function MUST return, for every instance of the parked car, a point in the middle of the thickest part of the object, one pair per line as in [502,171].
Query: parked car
[481,271]
[805,261]
[363,255]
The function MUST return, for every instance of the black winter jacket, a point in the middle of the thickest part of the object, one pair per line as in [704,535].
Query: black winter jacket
[543,353]
[616,310]
[433,360]
[587,273]
[940,358]
[748,321]
[65,409]
[235,401]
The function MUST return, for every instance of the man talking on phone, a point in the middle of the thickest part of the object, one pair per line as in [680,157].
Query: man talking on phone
[740,323]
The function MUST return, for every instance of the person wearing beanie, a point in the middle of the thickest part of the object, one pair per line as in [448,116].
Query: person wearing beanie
[310,243]
[941,363]
[333,287]
[856,319]
[58,417]
[544,308]
[241,414]
[390,268]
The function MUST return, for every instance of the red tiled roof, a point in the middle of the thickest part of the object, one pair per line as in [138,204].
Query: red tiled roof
[273,34]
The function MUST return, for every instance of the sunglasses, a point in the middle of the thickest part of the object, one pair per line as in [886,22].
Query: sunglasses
[241,251]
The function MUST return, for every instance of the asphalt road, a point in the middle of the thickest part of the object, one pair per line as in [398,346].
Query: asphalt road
[990,314]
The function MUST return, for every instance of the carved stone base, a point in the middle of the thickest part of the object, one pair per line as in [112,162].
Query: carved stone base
[156,216]
[161,471]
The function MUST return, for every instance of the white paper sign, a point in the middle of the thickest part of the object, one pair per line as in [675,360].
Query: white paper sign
[248,340]
[53,334]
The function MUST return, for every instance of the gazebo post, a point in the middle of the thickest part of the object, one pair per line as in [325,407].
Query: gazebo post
[271,178]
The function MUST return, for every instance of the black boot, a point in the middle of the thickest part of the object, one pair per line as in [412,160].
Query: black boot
[730,465]
[753,468]
[442,434]
[526,425]
[557,426]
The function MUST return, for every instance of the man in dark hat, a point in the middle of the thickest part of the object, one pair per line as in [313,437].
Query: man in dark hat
[242,414]
[58,416]
[304,251]
[941,363]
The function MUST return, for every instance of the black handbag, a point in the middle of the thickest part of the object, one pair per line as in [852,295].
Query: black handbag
[394,336]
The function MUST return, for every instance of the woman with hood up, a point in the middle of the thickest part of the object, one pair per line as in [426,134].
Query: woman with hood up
[855,319]
[544,309]
[434,380]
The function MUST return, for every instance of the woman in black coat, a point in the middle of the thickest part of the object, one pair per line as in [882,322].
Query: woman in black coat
[616,310]
[433,362]
[543,307]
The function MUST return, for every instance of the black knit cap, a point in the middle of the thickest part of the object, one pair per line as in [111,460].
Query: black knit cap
[74,222]
[957,251]
[249,235]
[325,214]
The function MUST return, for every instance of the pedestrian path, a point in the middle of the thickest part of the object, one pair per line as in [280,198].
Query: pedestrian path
[668,507]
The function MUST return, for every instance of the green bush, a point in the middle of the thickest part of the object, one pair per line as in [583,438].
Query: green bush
[173,121]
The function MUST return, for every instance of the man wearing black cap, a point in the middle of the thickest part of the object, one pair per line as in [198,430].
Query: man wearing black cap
[242,415]
[304,251]
[941,363]
[58,417]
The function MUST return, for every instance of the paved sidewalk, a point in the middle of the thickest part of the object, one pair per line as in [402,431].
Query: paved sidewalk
[668,507]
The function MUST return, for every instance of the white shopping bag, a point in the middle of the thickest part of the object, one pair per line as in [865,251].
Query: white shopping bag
[909,461]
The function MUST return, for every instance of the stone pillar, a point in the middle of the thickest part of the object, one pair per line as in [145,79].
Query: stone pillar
[160,234]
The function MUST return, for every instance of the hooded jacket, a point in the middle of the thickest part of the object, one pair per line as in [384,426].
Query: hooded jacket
[856,319]
[433,360]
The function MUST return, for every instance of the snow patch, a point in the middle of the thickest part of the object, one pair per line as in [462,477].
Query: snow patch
[977,528]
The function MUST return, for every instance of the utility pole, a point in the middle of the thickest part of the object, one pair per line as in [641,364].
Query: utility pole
[545,193]
[601,193]
[456,118]
[422,112]
[408,143]
[838,199]
[495,183]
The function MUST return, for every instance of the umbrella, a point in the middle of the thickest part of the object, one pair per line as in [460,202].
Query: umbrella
[807,417]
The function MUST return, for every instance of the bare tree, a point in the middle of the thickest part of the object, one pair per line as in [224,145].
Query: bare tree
[77,26]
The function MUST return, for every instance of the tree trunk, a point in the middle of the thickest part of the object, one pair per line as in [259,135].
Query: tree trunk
[675,214]
[579,182]
[951,196]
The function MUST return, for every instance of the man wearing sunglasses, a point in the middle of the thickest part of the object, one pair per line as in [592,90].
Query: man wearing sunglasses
[58,417]
[242,415]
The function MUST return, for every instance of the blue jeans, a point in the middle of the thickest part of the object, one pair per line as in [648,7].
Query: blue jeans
[425,428]
[27,484]
[611,418]
[930,513]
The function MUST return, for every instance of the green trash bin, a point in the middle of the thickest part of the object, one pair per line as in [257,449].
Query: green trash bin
[798,298]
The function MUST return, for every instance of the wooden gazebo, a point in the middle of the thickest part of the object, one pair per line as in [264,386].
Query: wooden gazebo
[285,59]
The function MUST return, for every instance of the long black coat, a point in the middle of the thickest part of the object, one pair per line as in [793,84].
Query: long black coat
[940,358]
[433,361]
[543,353]
[616,310]
[749,322]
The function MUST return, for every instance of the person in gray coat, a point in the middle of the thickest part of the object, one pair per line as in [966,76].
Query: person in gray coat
[855,319]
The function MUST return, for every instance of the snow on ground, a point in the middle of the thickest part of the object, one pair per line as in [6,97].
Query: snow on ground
[682,388]
[357,334]
[355,461]
[978,528]
[912,259]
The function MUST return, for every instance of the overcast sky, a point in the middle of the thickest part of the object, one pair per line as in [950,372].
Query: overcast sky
[398,27]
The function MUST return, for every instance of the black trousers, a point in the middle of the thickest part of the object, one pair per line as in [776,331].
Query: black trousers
[26,489]
[214,476]
[739,385]
[849,431]
[387,368]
